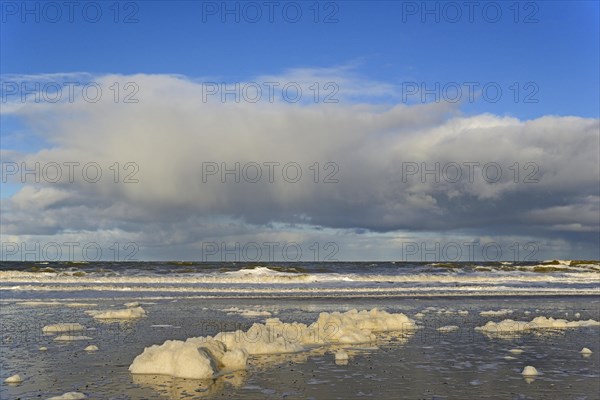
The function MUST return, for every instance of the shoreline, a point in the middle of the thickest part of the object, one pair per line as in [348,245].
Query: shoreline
[462,363]
[316,297]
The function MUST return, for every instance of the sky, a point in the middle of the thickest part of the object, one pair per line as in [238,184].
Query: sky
[300,131]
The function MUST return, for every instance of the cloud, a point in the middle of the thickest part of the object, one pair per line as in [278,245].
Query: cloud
[538,178]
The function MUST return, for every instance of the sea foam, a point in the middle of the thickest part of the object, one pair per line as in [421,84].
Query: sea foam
[69,396]
[508,326]
[14,379]
[126,313]
[63,327]
[207,357]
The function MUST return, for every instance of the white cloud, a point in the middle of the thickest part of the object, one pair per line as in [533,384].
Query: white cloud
[171,132]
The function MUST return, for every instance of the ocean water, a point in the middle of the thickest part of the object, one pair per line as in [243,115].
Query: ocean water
[184,300]
[301,280]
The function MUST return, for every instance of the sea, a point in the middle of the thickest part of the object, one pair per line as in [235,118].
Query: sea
[298,280]
[186,299]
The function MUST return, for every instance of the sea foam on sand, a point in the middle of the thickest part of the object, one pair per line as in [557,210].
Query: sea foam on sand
[70,338]
[448,328]
[126,313]
[206,357]
[54,303]
[196,358]
[511,326]
[341,355]
[63,327]
[495,313]
[14,379]
[247,313]
[69,396]
[529,371]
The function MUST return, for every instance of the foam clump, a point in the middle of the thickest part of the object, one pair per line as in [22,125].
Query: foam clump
[39,303]
[516,351]
[511,326]
[448,328]
[14,379]
[585,350]
[543,322]
[206,357]
[505,326]
[132,304]
[247,313]
[529,371]
[496,313]
[78,305]
[351,327]
[69,396]
[268,338]
[341,355]
[43,348]
[253,313]
[91,347]
[126,313]
[70,338]
[63,327]
[54,304]
[196,358]
[374,320]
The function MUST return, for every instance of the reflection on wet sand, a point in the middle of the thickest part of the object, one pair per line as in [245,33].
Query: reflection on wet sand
[178,388]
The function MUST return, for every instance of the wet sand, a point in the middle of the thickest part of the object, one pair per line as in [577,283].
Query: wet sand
[426,364]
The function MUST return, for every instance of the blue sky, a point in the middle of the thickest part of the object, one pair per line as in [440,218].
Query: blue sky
[559,52]
[376,52]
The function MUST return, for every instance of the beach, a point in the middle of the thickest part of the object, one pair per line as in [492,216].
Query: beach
[445,355]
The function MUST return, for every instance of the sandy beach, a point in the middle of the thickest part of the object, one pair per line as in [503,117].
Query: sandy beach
[427,362]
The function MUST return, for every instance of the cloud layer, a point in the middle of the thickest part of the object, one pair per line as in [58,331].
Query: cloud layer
[368,171]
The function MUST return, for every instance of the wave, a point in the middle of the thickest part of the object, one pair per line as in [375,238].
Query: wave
[432,291]
[267,283]
[312,280]
[264,275]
